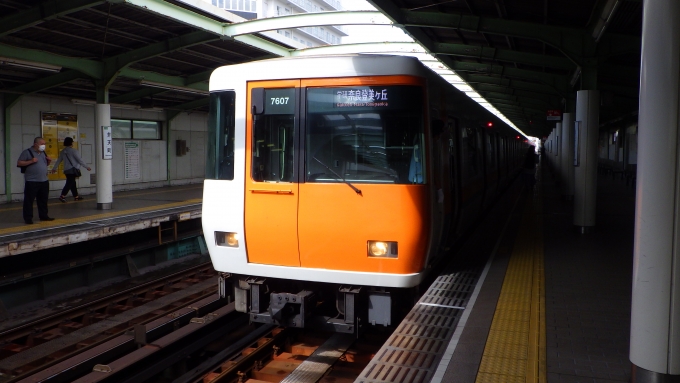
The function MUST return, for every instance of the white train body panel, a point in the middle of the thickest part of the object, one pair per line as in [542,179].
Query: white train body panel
[223,200]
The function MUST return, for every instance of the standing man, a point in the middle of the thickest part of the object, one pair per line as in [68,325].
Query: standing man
[36,185]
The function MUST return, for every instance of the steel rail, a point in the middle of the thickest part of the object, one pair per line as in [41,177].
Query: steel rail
[61,314]
[193,300]
[144,335]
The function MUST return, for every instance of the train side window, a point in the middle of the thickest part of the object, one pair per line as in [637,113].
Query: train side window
[273,137]
[221,127]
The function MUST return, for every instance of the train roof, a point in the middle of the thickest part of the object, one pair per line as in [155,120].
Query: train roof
[302,67]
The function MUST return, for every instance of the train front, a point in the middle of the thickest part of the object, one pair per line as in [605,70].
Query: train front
[335,202]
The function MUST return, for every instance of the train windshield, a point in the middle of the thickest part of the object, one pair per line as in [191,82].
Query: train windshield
[366,134]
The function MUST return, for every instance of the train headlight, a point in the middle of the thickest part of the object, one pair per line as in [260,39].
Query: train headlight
[382,249]
[226,239]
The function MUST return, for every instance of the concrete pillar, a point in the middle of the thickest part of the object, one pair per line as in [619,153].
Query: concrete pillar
[104,169]
[567,148]
[558,153]
[585,174]
[655,311]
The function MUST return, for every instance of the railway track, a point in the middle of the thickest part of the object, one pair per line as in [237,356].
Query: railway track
[48,340]
[272,354]
[188,321]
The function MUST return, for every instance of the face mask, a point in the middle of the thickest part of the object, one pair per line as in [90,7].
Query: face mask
[41,148]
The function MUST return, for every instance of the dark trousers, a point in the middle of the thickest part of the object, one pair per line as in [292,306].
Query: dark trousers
[70,185]
[36,191]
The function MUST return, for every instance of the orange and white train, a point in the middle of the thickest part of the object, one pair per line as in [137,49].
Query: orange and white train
[333,183]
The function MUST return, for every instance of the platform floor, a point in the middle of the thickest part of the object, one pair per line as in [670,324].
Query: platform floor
[527,299]
[578,288]
[124,203]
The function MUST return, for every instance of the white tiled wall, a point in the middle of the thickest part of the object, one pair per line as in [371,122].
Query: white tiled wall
[158,166]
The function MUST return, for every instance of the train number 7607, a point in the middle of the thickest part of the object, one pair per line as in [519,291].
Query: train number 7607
[280,100]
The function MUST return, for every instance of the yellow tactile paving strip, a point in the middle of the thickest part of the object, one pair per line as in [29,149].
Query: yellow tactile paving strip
[70,221]
[515,348]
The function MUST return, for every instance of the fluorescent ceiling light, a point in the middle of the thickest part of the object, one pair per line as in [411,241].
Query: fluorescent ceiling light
[177,88]
[76,101]
[124,106]
[29,64]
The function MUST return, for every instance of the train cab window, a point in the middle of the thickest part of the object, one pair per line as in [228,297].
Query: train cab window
[220,150]
[273,137]
[365,134]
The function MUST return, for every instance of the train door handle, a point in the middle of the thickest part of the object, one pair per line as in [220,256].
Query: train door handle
[270,191]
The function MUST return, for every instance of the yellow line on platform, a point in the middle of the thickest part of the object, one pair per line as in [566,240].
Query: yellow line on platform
[515,347]
[121,196]
[83,219]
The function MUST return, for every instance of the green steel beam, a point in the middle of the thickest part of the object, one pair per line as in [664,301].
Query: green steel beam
[45,10]
[87,67]
[173,111]
[97,69]
[302,20]
[159,48]
[479,52]
[201,102]
[191,80]
[557,82]
[516,105]
[165,79]
[188,17]
[198,77]
[511,83]
[573,43]
[45,82]
[522,100]
[394,13]
[136,95]
[554,99]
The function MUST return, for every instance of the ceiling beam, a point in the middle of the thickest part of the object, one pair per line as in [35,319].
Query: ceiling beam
[479,52]
[512,83]
[45,82]
[160,48]
[45,10]
[87,67]
[559,83]
[521,100]
[188,17]
[161,78]
[190,80]
[303,20]
[572,42]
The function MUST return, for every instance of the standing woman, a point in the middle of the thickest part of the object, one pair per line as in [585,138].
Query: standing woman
[72,162]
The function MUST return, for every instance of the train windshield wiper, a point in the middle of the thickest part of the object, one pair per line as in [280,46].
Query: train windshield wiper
[338,176]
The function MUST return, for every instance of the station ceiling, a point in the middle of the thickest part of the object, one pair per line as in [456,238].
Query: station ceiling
[523,56]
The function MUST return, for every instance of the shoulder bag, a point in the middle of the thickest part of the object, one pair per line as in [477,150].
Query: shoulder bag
[72,170]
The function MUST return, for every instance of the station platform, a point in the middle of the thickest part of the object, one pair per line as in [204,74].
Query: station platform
[79,221]
[538,302]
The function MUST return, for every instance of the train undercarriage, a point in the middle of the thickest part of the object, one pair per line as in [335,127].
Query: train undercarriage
[322,306]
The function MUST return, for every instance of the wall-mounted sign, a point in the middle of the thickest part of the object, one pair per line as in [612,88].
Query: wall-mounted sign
[132,157]
[55,128]
[107,143]
[554,115]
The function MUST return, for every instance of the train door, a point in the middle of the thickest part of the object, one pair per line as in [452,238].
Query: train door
[271,187]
